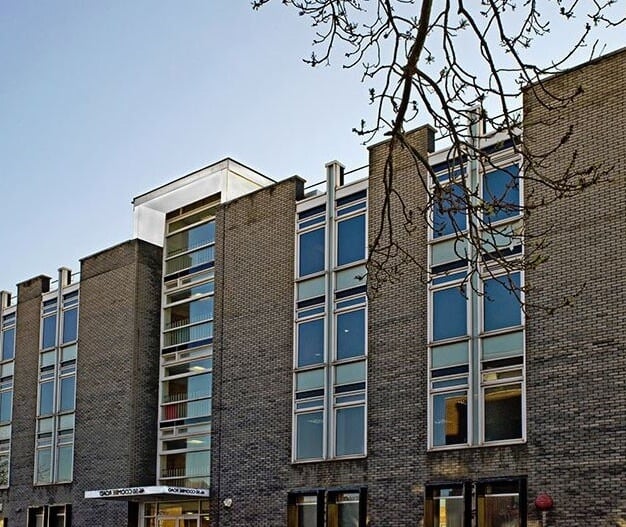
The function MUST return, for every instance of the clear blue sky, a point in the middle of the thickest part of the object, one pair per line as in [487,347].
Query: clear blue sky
[103,100]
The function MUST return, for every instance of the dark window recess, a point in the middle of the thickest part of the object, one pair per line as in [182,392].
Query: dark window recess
[349,292]
[502,363]
[189,271]
[186,346]
[452,370]
[437,269]
[310,393]
[311,302]
[352,197]
[350,387]
[311,212]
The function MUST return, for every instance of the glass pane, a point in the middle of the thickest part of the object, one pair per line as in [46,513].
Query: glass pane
[191,239]
[352,277]
[48,338]
[44,471]
[307,514]
[309,380]
[502,307]
[192,292]
[68,353]
[46,398]
[8,344]
[501,193]
[499,511]
[351,240]
[351,334]
[311,342]
[184,314]
[311,256]
[449,211]
[503,413]
[310,429]
[449,355]
[347,373]
[192,259]
[191,219]
[6,403]
[450,419]
[448,512]
[311,288]
[68,385]
[449,313]
[350,427]
[70,325]
[48,358]
[348,514]
[499,346]
[64,467]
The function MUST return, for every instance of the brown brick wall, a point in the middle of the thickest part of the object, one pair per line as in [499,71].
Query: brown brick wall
[576,358]
[116,386]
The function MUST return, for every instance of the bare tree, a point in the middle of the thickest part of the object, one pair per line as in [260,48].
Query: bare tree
[445,62]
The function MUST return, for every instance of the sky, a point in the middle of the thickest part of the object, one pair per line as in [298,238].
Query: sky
[101,101]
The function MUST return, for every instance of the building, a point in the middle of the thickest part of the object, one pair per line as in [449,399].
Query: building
[227,367]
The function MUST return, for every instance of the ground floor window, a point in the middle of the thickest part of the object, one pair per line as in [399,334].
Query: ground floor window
[328,508]
[497,502]
[176,514]
[49,516]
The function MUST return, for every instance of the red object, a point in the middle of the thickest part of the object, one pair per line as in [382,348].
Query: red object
[544,502]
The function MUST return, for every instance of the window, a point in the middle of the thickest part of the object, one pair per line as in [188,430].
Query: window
[50,516]
[7,355]
[328,508]
[330,349]
[494,503]
[476,323]
[186,374]
[190,243]
[54,440]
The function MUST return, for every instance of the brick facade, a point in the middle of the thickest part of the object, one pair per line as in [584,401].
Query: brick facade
[575,355]
[116,386]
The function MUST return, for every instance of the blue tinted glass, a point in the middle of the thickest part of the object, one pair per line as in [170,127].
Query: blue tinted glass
[309,436]
[6,402]
[449,314]
[68,385]
[502,308]
[350,426]
[201,235]
[312,252]
[351,240]
[70,325]
[199,386]
[311,342]
[46,398]
[8,344]
[201,309]
[449,211]
[351,334]
[44,465]
[501,193]
[48,338]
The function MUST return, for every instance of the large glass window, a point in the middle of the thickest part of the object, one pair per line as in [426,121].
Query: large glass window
[449,211]
[312,254]
[351,240]
[330,330]
[476,347]
[497,503]
[328,508]
[501,193]
[57,389]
